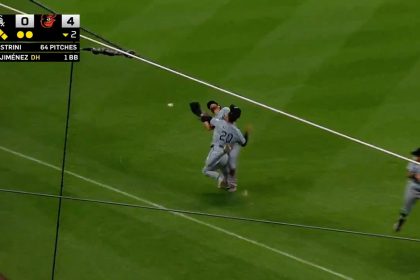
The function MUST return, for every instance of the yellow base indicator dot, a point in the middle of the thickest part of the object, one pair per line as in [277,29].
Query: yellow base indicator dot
[20,34]
[29,34]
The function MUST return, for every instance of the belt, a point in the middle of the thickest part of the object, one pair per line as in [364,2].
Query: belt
[220,146]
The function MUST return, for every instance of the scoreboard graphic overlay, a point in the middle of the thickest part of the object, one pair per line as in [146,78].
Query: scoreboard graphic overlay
[40,38]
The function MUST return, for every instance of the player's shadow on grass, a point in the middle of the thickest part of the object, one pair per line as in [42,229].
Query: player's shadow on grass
[223,198]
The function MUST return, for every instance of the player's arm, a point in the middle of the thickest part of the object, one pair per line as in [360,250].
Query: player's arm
[206,120]
[414,176]
[242,139]
[413,172]
[208,126]
[246,136]
[223,112]
[204,117]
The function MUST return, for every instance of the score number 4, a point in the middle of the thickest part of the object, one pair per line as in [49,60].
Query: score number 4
[70,21]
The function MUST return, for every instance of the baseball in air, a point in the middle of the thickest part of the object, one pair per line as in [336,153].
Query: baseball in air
[170,104]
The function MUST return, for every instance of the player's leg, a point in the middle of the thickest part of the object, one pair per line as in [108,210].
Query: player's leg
[410,197]
[233,161]
[224,169]
[211,163]
[233,156]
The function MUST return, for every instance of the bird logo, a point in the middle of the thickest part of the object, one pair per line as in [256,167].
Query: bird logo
[47,21]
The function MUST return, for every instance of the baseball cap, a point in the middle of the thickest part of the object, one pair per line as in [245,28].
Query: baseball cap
[416,152]
[211,102]
[235,113]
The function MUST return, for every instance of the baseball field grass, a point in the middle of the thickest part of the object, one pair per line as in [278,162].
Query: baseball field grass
[352,66]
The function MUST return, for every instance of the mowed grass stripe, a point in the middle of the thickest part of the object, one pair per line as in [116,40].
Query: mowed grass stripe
[219,229]
[351,95]
[288,55]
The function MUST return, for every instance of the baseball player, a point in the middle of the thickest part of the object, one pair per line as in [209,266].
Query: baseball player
[108,52]
[225,134]
[219,113]
[217,110]
[412,192]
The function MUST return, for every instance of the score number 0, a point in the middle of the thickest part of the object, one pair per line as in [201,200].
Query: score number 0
[25,21]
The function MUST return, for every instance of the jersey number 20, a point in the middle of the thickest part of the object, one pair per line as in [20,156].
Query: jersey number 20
[226,137]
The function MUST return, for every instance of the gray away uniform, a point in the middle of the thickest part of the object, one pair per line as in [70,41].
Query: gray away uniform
[222,113]
[234,153]
[412,192]
[224,133]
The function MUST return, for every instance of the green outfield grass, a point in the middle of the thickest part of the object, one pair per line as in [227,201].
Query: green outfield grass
[352,66]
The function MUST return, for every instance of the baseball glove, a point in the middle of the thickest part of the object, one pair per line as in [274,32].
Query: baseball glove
[195,108]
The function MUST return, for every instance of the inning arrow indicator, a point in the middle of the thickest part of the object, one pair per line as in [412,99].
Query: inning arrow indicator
[65,34]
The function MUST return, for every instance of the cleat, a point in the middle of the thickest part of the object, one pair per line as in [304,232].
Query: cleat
[398,225]
[232,184]
[232,189]
[222,184]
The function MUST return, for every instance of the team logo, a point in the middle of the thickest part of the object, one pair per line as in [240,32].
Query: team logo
[2,23]
[47,21]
